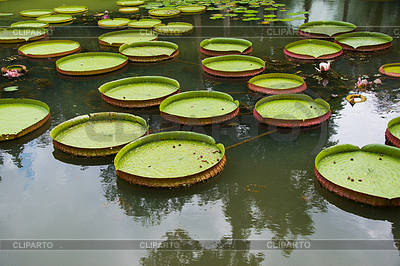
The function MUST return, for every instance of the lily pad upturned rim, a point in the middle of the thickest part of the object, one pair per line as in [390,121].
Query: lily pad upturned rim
[120,23]
[244,73]
[30,23]
[31,127]
[92,152]
[137,103]
[391,136]
[130,3]
[67,9]
[193,9]
[349,193]
[148,32]
[267,90]
[176,181]
[387,41]
[25,13]
[138,25]
[289,123]
[128,9]
[311,57]
[153,58]
[209,52]
[61,18]
[66,52]
[170,30]
[310,34]
[187,120]
[40,34]
[91,72]
[390,74]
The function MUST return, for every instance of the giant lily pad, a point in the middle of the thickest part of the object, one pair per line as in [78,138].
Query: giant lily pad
[18,117]
[142,91]
[55,19]
[116,23]
[128,10]
[291,110]
[199,108]
[22,34]
[325,29]
[313,49]
[47,49]
[30,23]
[70,9]
[233,65]
[364,41]
[130,3]
[277,83]
[145,23]
[164,12]
[174,28]
[149,51]
[391,70]
[393,132]
[98,134]
[369,175]
[34,13]
[170,159]
[118,38]
[225,46]
[192,9]
[90,63]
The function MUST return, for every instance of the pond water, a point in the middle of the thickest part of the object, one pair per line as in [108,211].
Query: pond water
[267,190]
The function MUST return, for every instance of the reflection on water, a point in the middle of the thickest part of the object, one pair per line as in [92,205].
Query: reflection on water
[267,189]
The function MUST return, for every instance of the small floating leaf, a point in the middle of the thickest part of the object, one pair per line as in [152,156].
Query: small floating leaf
[11,88]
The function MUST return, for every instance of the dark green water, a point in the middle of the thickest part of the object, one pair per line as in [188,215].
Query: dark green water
[48,195]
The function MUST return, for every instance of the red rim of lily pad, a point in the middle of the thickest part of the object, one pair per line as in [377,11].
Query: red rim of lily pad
[390,74]
[380,150]
[385,39]
[395,141]
[259,66]
[293,122]
[32,127]
[136,103]
[268,90]
[188,118]
[170,181]
[84,119]
[310,57]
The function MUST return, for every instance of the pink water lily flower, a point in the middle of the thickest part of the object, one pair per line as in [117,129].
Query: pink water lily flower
[323,67]
[363,83]
[105,15]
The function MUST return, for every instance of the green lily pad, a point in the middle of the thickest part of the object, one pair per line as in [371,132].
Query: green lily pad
[128,10]
[130,3]
[98,134]
[277,83]
[174,28]
[70,9]
[170,159]
[393,131]
[54,19]
[369,175]
[391,70]
[21,34]
[116,23]
[358,40]
[145,23]
[270,9]
[269,16]
[292,14]
[5,14]
[215,46]
[286,19]
[312,48]
[149,51]
[34,13]
[18,117]
[326,28]
[141,91]
[233,65]
[30,23]
[117,38]
[291,110]
[11,88]
[46,49]
[165,12]
[191,9]
[90,63]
